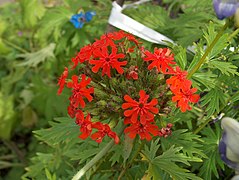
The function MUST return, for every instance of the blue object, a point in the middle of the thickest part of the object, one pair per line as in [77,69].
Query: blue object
[78,20]
[225,8]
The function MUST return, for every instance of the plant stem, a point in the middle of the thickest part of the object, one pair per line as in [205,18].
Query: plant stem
[208,50]
[130,163]
[15,46]
[202,126]
[14,148]
[233,34]
[97,157]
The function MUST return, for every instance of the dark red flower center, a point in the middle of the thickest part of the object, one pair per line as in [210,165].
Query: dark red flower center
[141,105]
[107,59]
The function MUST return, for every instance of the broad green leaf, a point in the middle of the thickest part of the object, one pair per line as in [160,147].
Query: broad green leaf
[29,117]
[7,116]
[53,21]
[226,68]
[32,11]
[35,58]
[4,49]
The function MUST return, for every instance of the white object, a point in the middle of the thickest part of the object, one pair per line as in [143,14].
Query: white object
[128,24]
[231,128]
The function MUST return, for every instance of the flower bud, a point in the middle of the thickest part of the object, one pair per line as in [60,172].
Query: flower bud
[225,8]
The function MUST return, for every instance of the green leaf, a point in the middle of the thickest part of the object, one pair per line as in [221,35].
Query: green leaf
[205,78]
[210,146]
[35,58]
[32,11]
[53,21]
[181,57]
[150,152]
[214,99]
[189,142]
[62,130]
[7,116]
[226,68]
[128,146]
[220,44]
[166,163]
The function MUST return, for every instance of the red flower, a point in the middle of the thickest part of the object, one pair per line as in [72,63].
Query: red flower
[161,59]
[84,55]
[185,95]
[143,130]
[105,40]
[178,79]
[62,81]
[103,129]
[84,123]
[79,91]
[107,61]
[140,109]
[71,111]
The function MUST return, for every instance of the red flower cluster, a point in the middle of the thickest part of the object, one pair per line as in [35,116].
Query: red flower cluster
[141,116]
[102,54]
[181,88]
[62,81]
[161,59]
[86,127]
[111,55]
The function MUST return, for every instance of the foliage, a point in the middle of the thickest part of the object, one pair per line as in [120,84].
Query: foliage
[39,141]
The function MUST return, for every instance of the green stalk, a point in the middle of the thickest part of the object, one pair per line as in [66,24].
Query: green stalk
[15,46]
[202,126]
[97,157]
[208,50]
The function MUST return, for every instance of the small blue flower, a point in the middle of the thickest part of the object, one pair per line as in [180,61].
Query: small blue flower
[78,20]
[225,8]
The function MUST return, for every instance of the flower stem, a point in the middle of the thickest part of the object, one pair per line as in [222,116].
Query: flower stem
[202,126]
[208,50]
[15,46]
[97,157]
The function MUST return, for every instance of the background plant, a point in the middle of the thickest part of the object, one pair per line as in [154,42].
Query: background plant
[34,50]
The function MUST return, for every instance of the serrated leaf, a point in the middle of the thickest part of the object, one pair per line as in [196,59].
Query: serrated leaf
[35,58]
[205,78]
[235,97]
[210,36]
[181,57]
[189,142]
[32,11]
[226,68]
[63,130]
[167,163]
[214,99]
[150,152]
[210,146]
